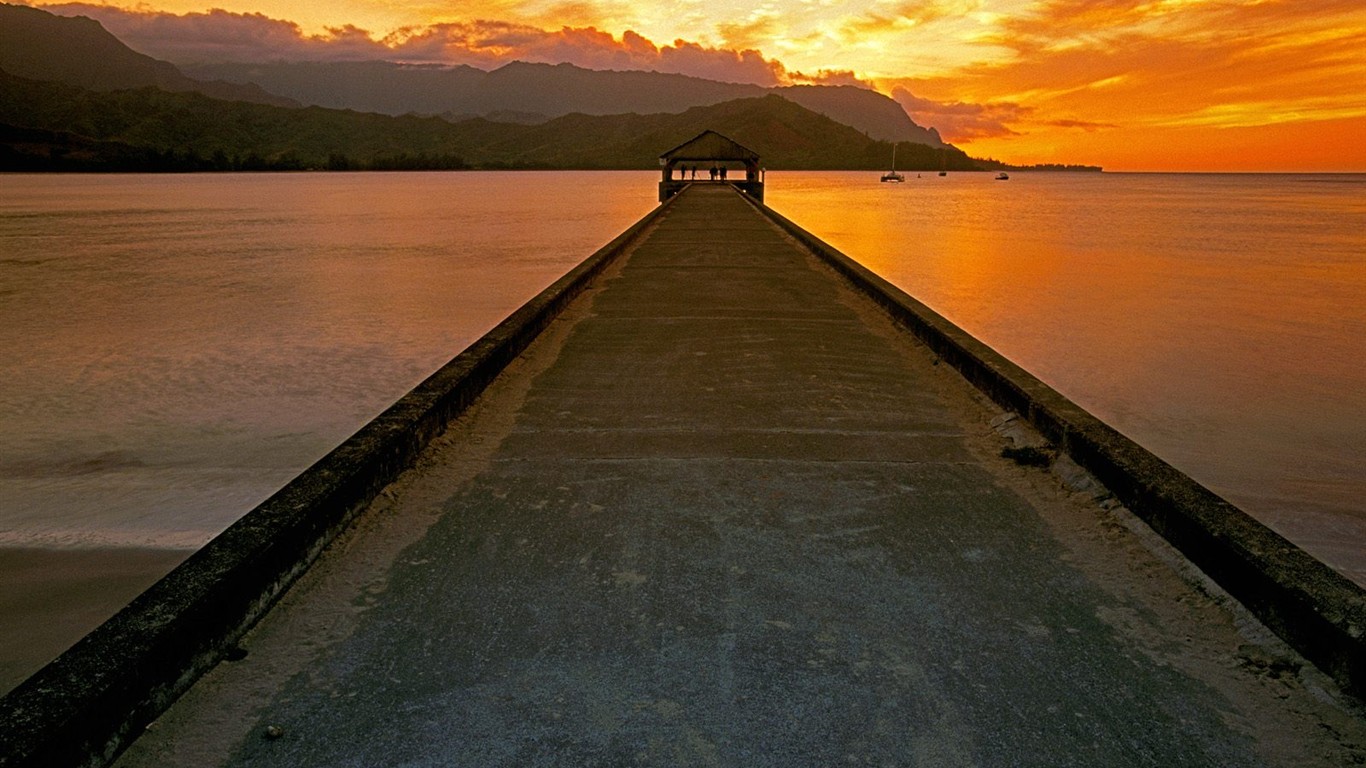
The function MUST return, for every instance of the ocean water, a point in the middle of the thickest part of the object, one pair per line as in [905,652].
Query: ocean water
[1218,320]
[175,348]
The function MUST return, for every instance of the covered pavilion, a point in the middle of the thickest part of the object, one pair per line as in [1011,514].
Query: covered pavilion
[710,155]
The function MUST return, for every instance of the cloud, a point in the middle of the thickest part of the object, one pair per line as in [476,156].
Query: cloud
[491,43]
[747,66]
[900,17]
[1083,72]
[829,77]
[760,28]
[960,121]
[1151,62]
[1083,125]
[218,35]
[571,14]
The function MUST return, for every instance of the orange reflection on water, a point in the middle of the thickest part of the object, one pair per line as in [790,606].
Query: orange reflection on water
[1217,320]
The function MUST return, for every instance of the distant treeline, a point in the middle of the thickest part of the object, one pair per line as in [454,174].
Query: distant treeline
[399,162]
[1056,167]
[31,150]
[992,164]
[48,126]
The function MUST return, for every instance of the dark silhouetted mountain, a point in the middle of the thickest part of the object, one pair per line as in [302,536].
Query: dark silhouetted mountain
[508,116]
[79,51]
[785,134]
[519,87]
[57,126]
[562,89]
[545,89]
[875,114]
[365,86]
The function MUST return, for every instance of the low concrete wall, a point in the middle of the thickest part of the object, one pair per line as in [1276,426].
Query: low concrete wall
[84,707]
[1315,609]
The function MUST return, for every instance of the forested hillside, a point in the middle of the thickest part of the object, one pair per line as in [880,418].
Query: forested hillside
[62,127]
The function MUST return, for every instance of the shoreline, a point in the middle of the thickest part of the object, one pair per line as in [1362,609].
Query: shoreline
[50,598]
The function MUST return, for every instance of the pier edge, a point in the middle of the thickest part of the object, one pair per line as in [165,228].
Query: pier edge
[84,707]
[1316,610]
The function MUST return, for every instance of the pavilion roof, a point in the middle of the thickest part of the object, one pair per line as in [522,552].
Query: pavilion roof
[709,145]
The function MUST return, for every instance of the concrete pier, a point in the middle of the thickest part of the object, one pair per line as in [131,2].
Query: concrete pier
[724,511]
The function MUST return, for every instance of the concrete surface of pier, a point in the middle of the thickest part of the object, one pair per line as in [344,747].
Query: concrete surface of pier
[725,512]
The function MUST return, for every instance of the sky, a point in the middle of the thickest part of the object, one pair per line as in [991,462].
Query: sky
[1152,85]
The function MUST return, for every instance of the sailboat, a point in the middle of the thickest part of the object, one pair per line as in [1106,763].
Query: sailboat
[892,175]
[943,162]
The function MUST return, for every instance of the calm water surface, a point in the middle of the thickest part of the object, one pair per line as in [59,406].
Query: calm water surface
[177,347]
[1219,320]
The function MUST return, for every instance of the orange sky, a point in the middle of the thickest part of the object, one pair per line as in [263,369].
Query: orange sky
[1191,85]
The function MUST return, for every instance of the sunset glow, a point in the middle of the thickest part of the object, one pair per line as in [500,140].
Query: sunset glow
[1128,84]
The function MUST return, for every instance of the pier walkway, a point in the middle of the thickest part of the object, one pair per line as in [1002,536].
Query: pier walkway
[725,512]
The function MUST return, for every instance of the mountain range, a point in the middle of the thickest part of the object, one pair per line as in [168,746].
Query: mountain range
[47,125]
[535,93]
[78,51]
[73,97]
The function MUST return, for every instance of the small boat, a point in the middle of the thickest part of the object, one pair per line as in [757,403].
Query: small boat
[892,175]
[1003,176]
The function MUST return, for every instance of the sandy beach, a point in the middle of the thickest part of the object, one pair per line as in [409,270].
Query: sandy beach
[50,598]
